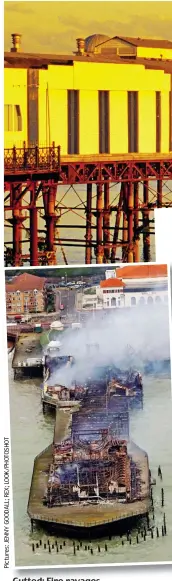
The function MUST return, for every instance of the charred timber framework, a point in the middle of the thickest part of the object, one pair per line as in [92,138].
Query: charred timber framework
[40,171]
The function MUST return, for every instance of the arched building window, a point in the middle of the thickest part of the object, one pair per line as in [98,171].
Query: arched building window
[142,300]
[150,300]
[113,302]
[133,301]
[158,299]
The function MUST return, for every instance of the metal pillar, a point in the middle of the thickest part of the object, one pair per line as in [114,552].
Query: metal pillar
[88,236]
[33,237]
[51,218]
[106,223]
[136,222]
[49,197]
[159,193]
[117,223]
[130,221]
[99,246]
[146,233]
[16,222]
[125,223]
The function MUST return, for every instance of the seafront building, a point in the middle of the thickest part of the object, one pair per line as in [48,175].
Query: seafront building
[25,294]
[113,95]
[130,286]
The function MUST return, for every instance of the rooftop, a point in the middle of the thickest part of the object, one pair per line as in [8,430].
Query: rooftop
[16,58]
[142,271]
[146,42]
[26,282]
[111,283]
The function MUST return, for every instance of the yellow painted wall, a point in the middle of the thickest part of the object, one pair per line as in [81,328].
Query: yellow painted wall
[88,78]
[118,77]
[118,122]
[53,86]
[15,93]
[88,122]
[164,121]
[156,53]
[147,121]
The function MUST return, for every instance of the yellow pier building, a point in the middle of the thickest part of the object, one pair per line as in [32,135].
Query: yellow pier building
[112,96]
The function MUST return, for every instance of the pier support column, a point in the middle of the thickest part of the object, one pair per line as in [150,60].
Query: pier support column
[146,233]
[49,197]
[88,225]
[106,223]
[117,223]
[50,222]
[125,223]
[130,221]
[136,222]
[99,246]
[16,222]
[33,237]
[159,194]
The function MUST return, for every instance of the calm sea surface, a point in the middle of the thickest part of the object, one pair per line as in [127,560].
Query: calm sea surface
[31,432]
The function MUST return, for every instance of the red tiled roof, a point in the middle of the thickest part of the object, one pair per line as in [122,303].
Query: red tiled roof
[142,271]
[26,282]
[111,282]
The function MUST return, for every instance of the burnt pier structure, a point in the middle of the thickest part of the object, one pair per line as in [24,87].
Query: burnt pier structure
[92,477]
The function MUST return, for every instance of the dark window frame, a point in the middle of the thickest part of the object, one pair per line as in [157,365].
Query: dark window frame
[170,118]
[73,122]
[104,122]
[133,122]
[158,121]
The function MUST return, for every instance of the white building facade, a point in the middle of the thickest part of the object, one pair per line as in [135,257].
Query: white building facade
[135,285]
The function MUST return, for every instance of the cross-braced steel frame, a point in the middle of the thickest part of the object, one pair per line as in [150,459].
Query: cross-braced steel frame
[38,173]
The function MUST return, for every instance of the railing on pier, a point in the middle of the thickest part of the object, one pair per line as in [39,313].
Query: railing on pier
[32,158]
[88,168]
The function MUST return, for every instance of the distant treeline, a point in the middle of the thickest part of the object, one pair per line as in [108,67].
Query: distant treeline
[69,272]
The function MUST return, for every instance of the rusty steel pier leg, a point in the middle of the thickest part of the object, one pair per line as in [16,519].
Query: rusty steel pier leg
[33,237]
[146,233]
[125,223]
[50,223]
[136,222]
[117,224]
[106,223]
[16,238]
[16,222]
[88,225]
[130,221]
[99,246]
[159,194]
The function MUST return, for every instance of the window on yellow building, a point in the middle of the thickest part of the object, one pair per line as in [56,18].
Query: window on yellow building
[170,121]
[8,117]
[132,121]
[17,118]
[73,122]
[158,121]
[12,118]
[103,121]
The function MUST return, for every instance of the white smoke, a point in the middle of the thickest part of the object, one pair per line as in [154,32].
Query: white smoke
[126,338]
